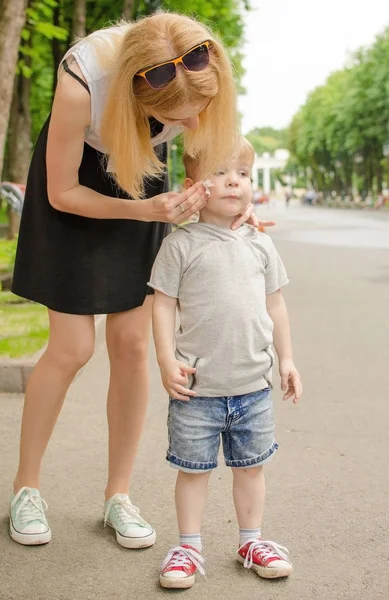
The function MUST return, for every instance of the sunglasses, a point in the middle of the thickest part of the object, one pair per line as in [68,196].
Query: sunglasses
[195,59]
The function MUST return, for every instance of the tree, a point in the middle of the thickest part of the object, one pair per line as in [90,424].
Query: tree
[79,18]
[12,18]
[340,132]
[38,29]
[267,139]
[128,9]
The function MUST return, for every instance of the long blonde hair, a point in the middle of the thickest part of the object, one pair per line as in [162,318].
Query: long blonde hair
[125,129]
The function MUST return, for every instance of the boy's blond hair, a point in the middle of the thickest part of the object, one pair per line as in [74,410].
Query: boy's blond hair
[125,129]
[242,150]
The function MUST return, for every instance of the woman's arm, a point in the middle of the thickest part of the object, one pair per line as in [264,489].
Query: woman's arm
[70,117]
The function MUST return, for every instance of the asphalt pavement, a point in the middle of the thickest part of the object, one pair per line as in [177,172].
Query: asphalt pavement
[327,486]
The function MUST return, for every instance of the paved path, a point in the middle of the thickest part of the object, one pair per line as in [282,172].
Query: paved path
[327,487]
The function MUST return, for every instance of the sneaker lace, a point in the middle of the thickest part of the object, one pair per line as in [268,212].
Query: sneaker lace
[265,550]
[182,557]
[31,508]
[126,511]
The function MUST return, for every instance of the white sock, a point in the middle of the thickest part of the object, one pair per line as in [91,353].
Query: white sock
[191,539]
[248,534]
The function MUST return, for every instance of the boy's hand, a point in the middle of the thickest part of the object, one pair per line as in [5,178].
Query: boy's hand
[290,381]
[175,379]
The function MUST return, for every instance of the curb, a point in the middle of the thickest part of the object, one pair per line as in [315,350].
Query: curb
[15,372]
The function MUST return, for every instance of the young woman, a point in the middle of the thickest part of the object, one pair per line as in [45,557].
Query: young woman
[96,210]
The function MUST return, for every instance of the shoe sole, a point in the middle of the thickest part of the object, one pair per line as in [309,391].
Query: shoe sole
[269,572]
[134,543]
[29,539]
[176,583]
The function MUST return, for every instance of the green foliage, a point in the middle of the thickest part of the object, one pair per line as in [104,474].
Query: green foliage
[345,121]
[267,139]
[39,17]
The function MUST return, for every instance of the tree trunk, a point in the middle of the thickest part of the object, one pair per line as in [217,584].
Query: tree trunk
[19,141]
[79,18]
[56,48]
[338,184]
[128,8]
[380,177]
[348,177]
[12,19]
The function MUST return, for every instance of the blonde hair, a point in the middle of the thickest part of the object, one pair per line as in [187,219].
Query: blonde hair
[242,150]
[125,128]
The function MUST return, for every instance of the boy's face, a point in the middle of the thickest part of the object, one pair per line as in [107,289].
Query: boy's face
[231,191]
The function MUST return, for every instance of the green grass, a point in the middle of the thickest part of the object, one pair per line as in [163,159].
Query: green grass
[24,326]
[3,214]
[7,255]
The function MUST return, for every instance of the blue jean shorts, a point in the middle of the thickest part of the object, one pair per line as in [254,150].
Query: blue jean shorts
[245,424]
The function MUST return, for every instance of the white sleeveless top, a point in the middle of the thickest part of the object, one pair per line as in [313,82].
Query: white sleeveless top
[98,80]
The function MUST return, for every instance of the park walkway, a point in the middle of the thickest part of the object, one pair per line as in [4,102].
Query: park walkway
[327,487]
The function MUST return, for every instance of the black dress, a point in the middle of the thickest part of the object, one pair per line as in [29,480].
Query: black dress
[78,265]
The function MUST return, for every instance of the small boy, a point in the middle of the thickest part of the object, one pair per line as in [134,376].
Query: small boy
[217,367]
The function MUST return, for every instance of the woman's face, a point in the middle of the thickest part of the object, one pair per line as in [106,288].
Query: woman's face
[185,116]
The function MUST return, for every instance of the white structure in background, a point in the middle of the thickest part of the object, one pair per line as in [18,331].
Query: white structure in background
[266,163]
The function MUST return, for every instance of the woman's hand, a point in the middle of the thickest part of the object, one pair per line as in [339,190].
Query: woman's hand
[249,217]
[177,208]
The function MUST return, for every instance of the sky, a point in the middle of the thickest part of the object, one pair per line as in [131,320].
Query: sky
[293,45]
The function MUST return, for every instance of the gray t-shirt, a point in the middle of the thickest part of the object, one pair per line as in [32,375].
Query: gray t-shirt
[220,278]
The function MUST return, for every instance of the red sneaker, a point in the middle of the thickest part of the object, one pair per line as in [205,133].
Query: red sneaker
[268,559]
[180,566]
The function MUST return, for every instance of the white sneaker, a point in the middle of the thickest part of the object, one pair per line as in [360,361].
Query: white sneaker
[28,523]
[131,530]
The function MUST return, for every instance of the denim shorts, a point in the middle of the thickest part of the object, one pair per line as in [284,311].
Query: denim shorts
[245,424]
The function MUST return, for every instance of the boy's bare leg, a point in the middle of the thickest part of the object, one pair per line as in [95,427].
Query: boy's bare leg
[182,562]
[249,493]
[191,497]
[267,559]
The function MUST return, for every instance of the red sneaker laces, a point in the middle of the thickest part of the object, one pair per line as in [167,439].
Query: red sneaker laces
[265,550]
[182,557]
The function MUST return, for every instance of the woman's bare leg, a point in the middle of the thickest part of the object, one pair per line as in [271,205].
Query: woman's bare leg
[128,337]
[70,346]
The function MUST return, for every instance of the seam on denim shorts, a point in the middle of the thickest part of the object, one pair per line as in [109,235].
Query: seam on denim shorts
[173,465]
[248,462]
[187,464]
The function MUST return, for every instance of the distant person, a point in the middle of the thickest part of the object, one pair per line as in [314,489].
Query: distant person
[217,369]
[382,200]
[311,196]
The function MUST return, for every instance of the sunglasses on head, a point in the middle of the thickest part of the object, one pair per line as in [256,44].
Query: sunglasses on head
[195,59]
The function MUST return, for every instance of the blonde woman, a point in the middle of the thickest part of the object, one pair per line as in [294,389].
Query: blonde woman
[97,208]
